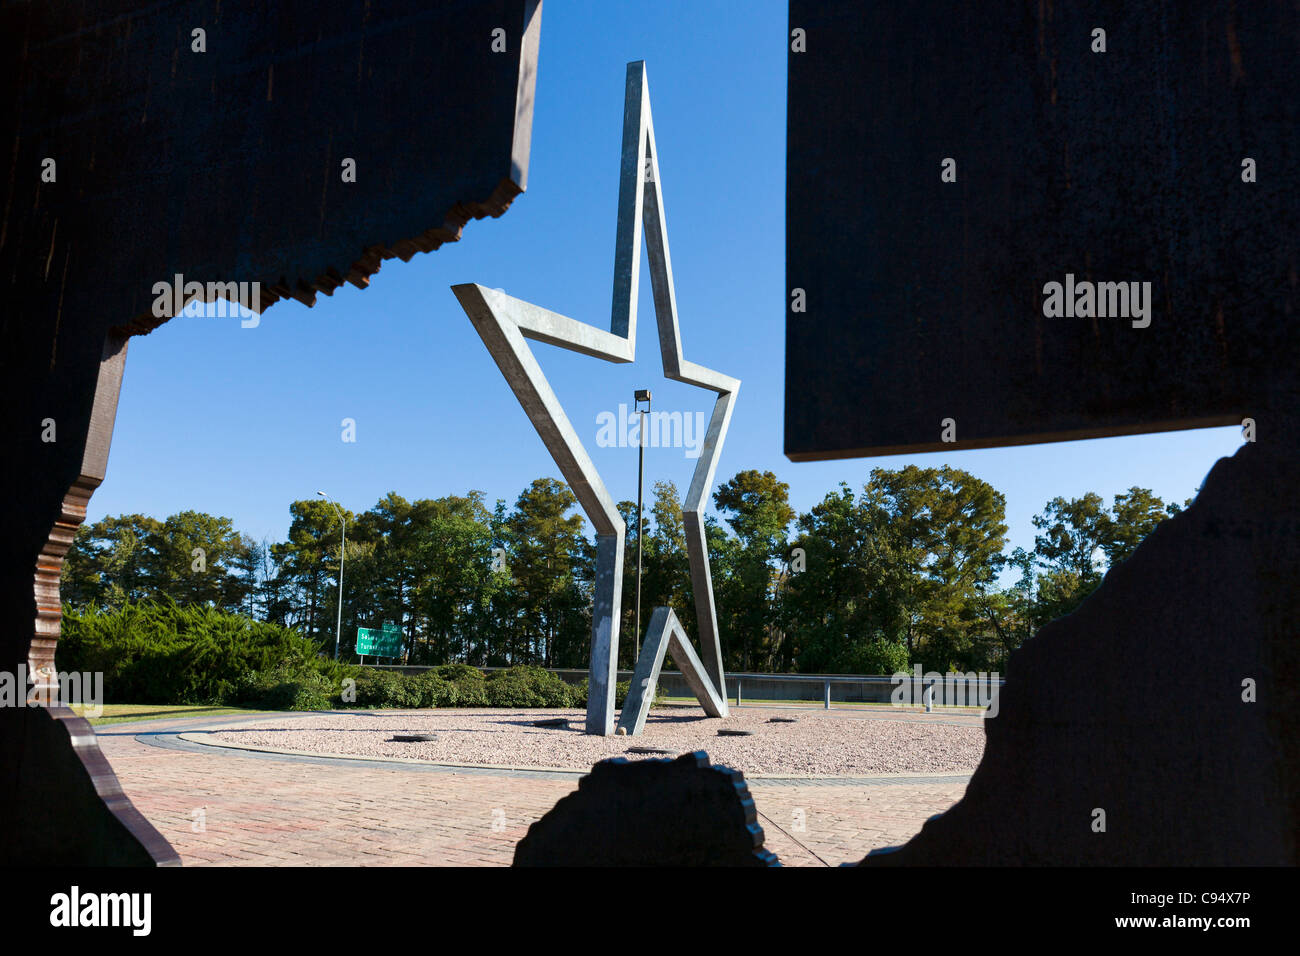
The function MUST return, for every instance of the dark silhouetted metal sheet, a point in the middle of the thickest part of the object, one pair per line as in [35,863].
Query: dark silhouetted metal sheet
[924,299]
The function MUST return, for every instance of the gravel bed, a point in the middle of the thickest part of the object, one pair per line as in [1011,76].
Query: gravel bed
[816,744]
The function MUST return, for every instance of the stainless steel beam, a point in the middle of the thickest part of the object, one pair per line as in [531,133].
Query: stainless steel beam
[504,323]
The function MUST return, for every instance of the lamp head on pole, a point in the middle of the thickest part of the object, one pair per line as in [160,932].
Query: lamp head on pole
[642,395]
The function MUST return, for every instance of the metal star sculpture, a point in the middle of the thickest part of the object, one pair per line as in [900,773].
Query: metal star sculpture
[504,323]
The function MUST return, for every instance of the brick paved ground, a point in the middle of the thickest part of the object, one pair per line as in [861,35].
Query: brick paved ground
[275,811]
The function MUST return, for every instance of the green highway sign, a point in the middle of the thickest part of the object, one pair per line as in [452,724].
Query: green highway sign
[380,642]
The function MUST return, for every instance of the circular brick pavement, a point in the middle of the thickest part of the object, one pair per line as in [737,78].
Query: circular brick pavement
[241,807]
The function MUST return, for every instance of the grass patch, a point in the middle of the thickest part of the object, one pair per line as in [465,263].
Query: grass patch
[123,713]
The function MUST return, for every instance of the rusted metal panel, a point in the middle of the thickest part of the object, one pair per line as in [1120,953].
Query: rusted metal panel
[290,146]
[924,298]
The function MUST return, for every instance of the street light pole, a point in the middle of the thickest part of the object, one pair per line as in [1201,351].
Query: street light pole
[641,395]
[343,544]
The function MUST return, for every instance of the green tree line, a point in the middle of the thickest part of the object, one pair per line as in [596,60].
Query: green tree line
[911,568]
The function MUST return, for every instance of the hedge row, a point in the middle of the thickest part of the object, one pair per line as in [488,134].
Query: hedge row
[459,685]
[160,653]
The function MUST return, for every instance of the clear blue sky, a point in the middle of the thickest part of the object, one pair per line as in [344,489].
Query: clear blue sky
[240,422]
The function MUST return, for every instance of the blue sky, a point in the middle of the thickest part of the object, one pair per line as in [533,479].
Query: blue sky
[242,421]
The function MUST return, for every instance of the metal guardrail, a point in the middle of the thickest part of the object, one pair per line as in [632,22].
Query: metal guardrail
[826,680]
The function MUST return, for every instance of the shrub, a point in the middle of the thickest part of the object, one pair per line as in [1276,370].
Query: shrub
[456,672]
[512,691]
[160,653]
[434,691]
[279,690]
[578,694]
[382,690]
[466,685]
[527,686]
[469,692]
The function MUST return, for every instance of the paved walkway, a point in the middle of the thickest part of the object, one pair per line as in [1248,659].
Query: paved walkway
[234,808]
